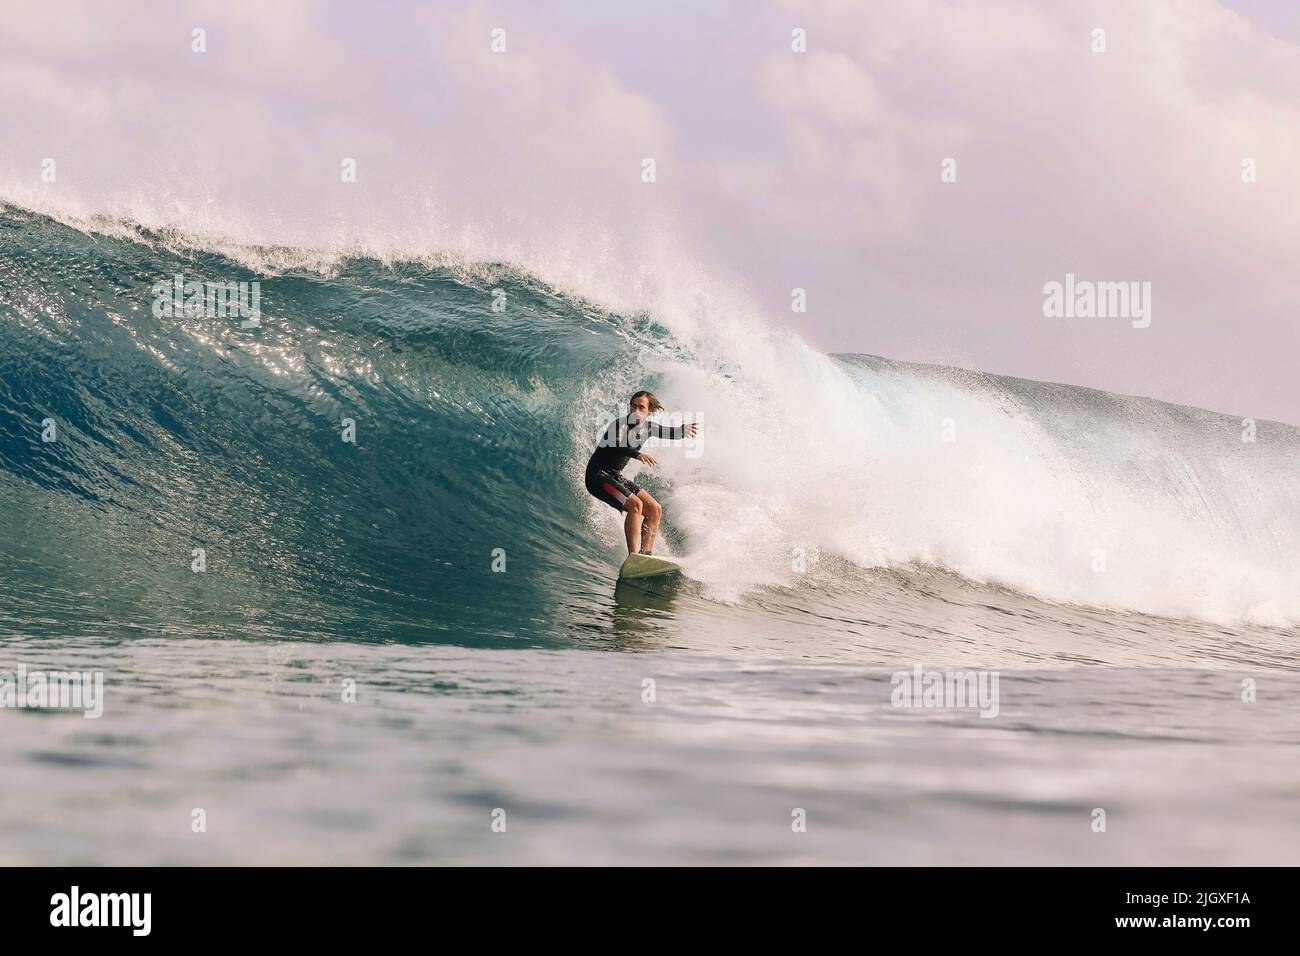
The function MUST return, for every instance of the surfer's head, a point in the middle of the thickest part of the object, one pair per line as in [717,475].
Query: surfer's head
[645,403]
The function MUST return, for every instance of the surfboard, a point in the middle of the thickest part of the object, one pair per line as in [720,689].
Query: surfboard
[646,566]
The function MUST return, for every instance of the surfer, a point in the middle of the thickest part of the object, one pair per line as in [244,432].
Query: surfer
[619,444]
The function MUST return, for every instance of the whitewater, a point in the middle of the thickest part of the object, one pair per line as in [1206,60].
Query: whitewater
[1128,564]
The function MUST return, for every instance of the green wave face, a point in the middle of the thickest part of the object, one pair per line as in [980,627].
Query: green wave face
[177,433]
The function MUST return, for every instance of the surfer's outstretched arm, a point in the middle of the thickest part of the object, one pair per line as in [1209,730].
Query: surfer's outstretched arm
[673,432]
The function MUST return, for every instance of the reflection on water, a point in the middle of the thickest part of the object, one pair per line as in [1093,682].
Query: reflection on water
[633,758]
[643,610]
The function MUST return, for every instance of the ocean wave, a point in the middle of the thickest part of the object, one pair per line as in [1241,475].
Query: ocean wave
[476,391]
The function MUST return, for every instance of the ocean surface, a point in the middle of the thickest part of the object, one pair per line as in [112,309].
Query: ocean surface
[410,649]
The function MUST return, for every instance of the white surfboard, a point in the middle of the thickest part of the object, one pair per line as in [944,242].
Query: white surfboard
[646,566]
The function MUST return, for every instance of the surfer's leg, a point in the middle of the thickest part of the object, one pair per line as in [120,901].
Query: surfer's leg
[653,512]
[618,492]
[632,523]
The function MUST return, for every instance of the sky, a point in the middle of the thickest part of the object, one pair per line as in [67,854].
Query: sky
[776,168]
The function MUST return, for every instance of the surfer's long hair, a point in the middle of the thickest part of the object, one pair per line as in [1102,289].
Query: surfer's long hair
[655,405]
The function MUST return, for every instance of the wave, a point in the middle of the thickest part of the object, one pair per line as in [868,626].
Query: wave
[476,390]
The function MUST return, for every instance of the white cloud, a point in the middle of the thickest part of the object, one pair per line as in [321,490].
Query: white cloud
[819,169]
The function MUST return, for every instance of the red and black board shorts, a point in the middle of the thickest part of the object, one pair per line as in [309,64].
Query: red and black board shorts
[611,488]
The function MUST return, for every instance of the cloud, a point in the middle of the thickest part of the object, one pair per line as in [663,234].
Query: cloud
[1125,163]
[828,86]
[775,169]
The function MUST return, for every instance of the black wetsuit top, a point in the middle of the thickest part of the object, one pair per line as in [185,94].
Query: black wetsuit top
[623,438]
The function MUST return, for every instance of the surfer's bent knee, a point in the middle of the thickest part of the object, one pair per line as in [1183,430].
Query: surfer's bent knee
[633,505]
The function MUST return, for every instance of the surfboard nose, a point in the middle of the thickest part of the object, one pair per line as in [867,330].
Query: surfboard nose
[646,566]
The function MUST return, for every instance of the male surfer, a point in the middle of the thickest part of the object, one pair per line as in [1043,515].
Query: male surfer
[620,443]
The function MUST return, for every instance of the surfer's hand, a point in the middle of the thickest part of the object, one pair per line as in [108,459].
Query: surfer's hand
[647,459]
[689,430]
